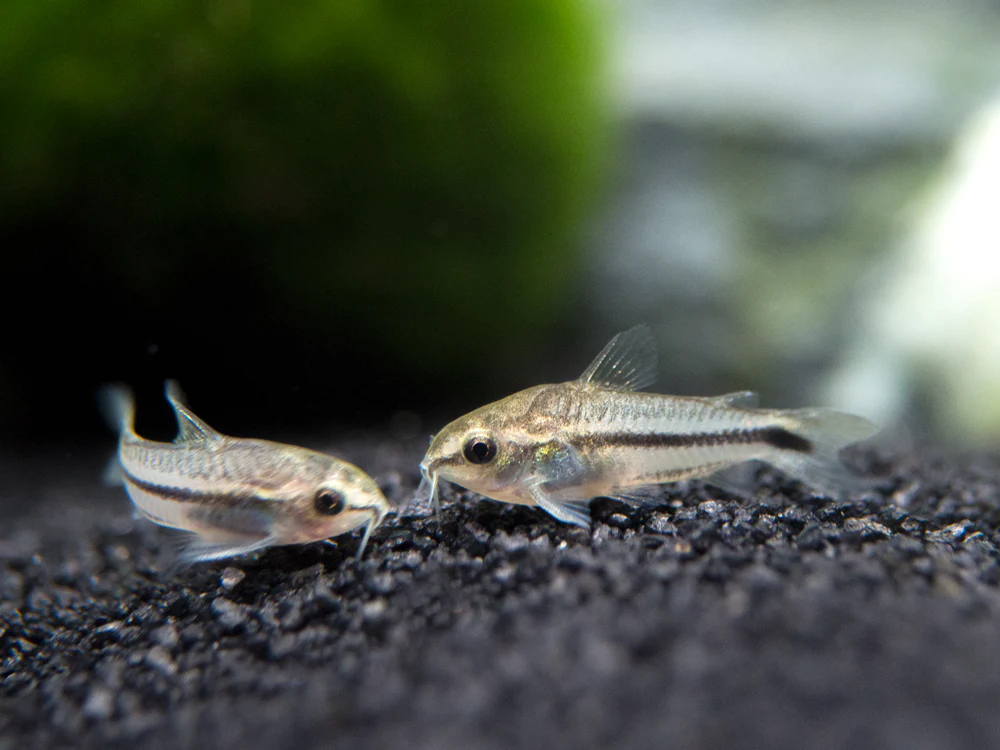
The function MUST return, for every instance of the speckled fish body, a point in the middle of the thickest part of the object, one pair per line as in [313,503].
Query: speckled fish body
[557,446]
[238,495]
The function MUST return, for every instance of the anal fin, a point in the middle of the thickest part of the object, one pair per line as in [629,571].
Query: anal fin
[646,494]
[739,480]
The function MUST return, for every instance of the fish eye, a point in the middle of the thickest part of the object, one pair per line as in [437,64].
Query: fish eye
[328,502]
[480,450]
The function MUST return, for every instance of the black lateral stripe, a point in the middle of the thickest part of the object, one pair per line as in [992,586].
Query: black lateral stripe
[184,495]
[777,437]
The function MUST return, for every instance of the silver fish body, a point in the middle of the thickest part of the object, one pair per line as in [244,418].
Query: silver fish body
[238,495]
[557,446]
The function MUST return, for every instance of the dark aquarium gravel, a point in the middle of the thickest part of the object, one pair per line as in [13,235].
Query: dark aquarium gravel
[705,622]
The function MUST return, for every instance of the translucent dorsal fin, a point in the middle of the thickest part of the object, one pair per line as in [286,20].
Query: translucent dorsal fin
[744,399]
[191,428]
[627,363]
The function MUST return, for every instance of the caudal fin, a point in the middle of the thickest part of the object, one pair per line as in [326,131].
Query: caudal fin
[117,406]
[810,450]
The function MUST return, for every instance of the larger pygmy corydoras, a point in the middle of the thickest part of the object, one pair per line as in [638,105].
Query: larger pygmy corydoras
[558,446]
[238,495]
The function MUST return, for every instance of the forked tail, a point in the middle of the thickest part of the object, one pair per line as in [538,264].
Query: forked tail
[118,409]
[811,453]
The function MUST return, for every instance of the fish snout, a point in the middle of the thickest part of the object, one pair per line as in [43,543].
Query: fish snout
[425,471]
[428,463]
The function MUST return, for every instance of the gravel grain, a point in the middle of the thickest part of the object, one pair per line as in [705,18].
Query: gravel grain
[705,621]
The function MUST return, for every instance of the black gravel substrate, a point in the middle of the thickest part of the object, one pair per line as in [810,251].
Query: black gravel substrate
[706,622]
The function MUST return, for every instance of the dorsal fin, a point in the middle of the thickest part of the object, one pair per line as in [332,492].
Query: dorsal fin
[739,399]
[627,363]
[192,429]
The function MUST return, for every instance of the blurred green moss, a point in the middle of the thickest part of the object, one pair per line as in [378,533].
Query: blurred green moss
[403,171]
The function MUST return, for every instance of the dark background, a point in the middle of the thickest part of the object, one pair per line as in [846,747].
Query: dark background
[310,215]
[342,224]
[383,214]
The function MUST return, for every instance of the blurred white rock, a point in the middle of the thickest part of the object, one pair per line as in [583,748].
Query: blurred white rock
[772,153]
[867,74]
[930,336]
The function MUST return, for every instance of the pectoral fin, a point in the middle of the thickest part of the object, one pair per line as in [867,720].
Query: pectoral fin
[576,513]
[557,467]
[197,548]
[557,464]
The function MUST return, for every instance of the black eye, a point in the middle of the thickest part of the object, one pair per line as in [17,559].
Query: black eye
[480,450]
[328,502]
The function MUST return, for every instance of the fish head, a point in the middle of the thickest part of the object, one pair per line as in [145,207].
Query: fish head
[344,499]
[482,451]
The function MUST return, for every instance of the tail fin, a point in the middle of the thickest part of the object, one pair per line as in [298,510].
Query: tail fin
[118,408]
[811,451]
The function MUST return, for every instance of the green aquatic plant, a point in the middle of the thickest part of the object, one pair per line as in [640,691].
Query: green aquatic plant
[317,167]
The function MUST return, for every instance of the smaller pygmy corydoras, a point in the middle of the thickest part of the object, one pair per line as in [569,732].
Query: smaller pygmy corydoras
[237,495]
[557,446]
